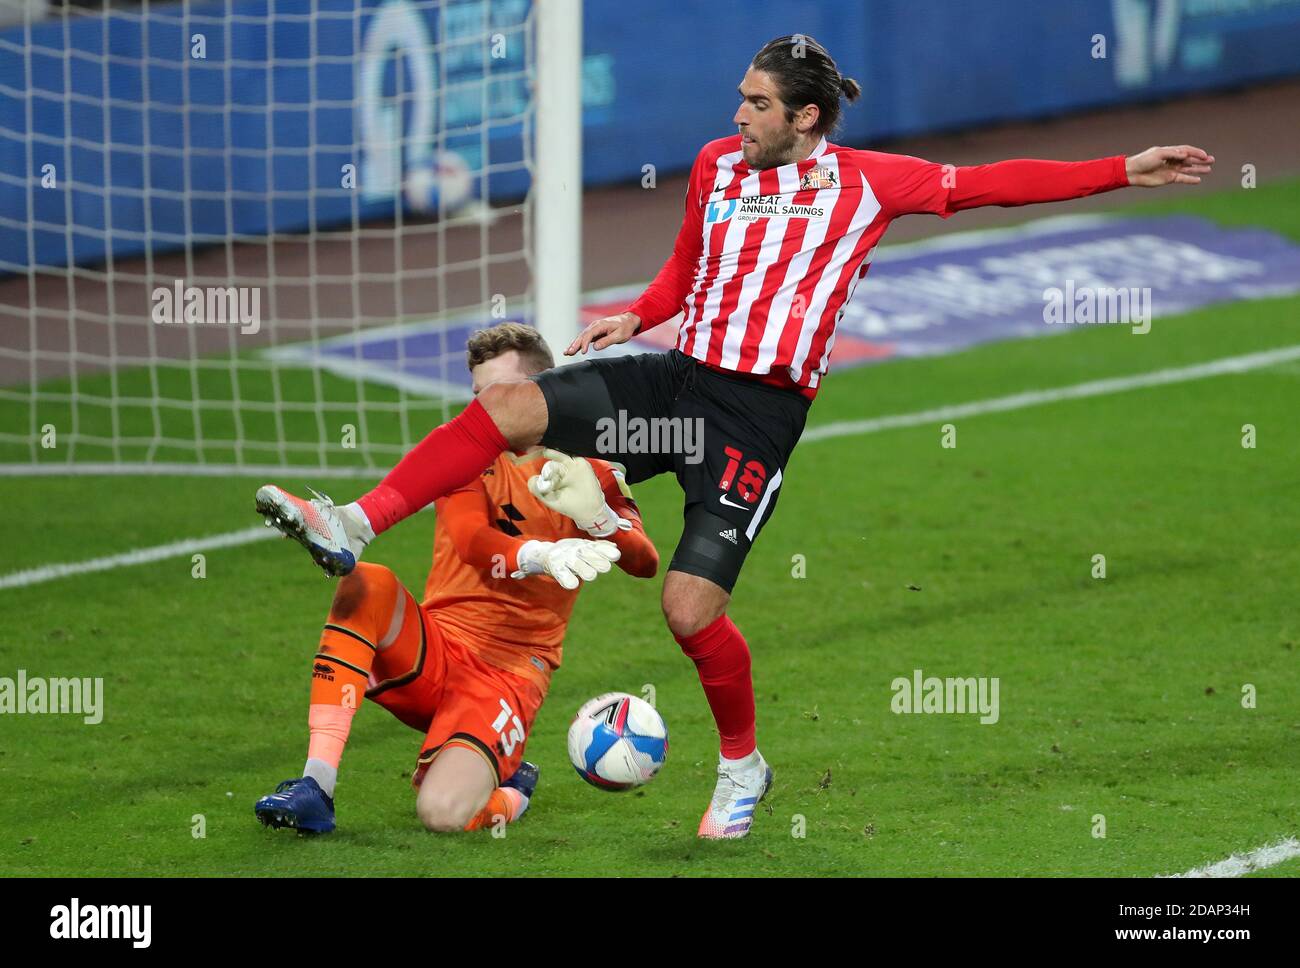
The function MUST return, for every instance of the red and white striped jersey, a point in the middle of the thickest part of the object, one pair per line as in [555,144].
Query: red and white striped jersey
[766,260]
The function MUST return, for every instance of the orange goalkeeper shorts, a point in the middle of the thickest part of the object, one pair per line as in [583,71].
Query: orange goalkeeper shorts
[433,683]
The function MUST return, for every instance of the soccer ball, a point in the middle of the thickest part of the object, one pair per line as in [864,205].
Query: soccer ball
[617,741]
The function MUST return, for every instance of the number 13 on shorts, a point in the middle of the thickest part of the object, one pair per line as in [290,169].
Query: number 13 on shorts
[516,735]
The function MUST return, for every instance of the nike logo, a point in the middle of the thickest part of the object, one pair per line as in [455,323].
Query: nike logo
[733,504]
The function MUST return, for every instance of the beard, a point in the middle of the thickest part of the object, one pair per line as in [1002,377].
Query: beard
[776,150]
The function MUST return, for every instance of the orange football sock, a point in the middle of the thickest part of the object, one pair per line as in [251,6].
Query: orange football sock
[329,727]
[341,669]
[340,673]
[504,802]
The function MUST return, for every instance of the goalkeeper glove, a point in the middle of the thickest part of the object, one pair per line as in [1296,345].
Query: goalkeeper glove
[566,560]
[569,485]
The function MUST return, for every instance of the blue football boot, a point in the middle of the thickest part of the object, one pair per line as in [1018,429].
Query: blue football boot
[299,803]
[524,780]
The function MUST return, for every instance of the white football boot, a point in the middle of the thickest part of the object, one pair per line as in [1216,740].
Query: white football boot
[334,536]
[740,788]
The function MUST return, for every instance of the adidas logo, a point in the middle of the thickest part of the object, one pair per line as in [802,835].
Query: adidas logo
[729,534]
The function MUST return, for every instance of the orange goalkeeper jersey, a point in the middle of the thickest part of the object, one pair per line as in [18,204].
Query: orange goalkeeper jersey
[515,624]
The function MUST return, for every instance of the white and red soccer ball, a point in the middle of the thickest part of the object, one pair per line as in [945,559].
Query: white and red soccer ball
[617,742]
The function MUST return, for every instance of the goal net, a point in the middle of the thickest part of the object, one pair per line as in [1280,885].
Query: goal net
[253,235]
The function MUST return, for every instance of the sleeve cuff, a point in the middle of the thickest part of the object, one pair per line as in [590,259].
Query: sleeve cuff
[645,313]
[1120,177]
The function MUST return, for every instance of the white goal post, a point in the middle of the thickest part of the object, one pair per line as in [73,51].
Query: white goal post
[252,239]
[558,179]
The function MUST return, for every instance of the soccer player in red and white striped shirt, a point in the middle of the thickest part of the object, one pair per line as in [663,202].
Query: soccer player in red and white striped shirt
[778,232]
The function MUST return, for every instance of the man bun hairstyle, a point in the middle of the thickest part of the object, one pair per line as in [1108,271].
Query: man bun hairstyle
[806,74]
[488,344]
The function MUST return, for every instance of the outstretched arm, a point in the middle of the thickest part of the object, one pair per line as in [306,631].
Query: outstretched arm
[911,185]
[1027,181]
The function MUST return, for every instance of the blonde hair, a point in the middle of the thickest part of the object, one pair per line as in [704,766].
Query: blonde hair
[488,344]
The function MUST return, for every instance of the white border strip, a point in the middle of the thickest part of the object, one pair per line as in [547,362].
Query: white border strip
[1256,860]
[1018,401]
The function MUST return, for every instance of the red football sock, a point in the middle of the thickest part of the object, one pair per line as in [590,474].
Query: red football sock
[722,659]
[449,457]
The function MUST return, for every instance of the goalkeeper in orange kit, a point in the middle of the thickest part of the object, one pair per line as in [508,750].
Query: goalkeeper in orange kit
[468,666]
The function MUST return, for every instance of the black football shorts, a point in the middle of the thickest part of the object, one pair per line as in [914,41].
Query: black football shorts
[726,437]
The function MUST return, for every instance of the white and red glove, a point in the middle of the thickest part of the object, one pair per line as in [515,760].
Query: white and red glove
[569,485]
[568,561]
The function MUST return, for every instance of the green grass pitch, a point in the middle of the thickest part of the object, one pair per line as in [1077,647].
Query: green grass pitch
[1119,697]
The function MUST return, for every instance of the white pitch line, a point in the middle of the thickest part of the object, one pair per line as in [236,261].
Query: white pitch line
[844,428]
[140,556]
[1256,860]
[1034,398]
[177,469]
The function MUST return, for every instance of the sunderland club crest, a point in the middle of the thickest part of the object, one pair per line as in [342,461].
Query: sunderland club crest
[818,177]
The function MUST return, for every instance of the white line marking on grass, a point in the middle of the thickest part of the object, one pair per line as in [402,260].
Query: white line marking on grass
[127,468]
[845,428]
[140,556]
[1034,398]
[1256,860]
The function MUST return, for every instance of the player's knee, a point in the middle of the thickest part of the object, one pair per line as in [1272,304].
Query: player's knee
[518,409]
[443,811]
[440,822]
[686,617]
[367,584]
